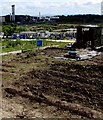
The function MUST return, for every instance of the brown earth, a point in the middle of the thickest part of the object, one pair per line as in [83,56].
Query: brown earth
[35,85]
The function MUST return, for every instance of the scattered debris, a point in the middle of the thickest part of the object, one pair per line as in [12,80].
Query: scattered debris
[80,54]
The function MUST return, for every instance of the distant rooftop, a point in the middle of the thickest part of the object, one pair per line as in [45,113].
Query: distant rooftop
[30,32]
[88,26]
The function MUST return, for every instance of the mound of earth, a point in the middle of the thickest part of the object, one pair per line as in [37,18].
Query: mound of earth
[35,85]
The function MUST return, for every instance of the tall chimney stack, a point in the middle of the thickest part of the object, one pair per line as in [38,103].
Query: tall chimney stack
[13,13]
[39,15]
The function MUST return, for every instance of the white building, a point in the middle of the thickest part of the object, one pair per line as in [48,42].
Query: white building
[2,19]
[1,34]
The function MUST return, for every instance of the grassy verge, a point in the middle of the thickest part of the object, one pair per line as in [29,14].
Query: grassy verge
[9,45]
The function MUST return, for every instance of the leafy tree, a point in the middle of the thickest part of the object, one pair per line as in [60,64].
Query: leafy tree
[50,29]
[8,30]
[21,28]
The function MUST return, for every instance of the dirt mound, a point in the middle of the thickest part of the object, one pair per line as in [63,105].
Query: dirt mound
[55,88]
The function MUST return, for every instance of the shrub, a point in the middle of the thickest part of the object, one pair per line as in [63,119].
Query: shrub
[13,43]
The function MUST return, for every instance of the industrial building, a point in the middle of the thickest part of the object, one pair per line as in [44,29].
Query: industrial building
[89,36]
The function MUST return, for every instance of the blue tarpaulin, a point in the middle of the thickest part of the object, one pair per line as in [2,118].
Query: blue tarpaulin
[34,36]
[24,36]
[71,36]
[39,43]
[15,36]
[60,35]
[20,37]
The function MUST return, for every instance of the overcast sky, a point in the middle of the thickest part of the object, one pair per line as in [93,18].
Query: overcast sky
[51,7]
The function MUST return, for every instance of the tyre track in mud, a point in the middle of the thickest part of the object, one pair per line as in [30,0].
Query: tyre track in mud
[75,108]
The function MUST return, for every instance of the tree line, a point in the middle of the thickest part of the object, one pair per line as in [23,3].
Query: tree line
[80,19]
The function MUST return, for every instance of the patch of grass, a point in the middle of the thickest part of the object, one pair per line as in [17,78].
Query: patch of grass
[25,45]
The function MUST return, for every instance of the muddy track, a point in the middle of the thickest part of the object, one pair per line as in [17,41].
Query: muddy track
[77,109]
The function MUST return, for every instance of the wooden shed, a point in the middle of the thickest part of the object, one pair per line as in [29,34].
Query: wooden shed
[89,36]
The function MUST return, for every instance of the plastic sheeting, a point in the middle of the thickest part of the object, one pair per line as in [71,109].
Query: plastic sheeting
[82,56]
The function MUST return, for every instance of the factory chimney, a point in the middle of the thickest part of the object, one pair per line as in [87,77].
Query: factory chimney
[13,13]
[10,17]
[39,15]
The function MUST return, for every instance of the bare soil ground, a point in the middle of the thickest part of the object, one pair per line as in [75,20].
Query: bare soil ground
[35,85]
